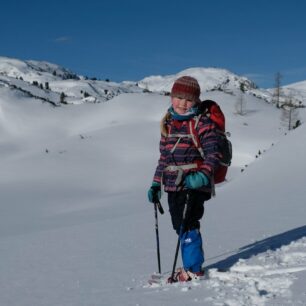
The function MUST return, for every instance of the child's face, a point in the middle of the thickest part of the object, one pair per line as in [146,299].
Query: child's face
[181,106]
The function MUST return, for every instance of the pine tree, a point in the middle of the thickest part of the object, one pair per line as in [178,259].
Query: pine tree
[240,105]
[277,90]
[290,114]
[62,98]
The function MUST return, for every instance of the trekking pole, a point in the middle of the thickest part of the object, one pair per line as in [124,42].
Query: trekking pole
[171,279]
[160,208]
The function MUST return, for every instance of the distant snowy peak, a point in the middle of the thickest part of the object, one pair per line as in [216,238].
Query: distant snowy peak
[34,70]
[218,79]
[57,85]
[53,69]
[298,86]
[50,82]
[208,78]
[295,93]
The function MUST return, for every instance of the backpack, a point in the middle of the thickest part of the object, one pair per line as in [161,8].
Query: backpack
[212,110]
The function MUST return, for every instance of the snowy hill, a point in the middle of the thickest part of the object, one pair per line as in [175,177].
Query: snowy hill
[47,82]
[76,227]
[210,79]
[216,79]
[297,91]
[33,70]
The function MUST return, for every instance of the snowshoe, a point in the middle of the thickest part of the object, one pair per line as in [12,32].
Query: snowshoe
[181,275]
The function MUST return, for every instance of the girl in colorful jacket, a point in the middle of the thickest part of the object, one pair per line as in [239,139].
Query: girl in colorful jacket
[186,165]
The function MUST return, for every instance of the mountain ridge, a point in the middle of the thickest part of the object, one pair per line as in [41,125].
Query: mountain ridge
[59,85]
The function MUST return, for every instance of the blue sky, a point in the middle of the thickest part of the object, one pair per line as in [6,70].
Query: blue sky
[132,39]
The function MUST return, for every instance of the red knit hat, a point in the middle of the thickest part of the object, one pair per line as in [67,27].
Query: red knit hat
[186,87]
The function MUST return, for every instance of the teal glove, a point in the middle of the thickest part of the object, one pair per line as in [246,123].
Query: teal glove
[154,193]
[196,180]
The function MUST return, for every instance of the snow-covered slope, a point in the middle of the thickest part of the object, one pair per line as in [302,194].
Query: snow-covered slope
[209,79]
[296,91]
[76,227]
[47,82]
[34,70]
[216,79]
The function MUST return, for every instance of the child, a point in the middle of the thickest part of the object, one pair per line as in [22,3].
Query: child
[181,169]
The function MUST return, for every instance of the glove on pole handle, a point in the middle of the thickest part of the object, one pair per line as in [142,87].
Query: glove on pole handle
[157,237]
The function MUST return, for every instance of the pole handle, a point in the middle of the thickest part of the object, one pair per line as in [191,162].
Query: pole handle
[160,208]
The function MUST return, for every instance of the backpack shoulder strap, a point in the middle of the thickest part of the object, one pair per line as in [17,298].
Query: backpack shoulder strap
[196,140]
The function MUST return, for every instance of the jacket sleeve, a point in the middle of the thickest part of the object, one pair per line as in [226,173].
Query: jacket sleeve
[208,136]
[161,162]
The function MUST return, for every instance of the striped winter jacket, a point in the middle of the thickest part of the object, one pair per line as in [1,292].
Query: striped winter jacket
[186,152]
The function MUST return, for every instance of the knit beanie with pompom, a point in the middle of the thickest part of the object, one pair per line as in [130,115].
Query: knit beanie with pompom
[186,87]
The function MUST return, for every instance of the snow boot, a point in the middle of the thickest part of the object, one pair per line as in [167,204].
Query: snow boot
[181,275]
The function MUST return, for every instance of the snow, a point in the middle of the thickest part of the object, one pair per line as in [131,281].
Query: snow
[20,75]
[208,78]
[296,91]
[32,70]
[76,227]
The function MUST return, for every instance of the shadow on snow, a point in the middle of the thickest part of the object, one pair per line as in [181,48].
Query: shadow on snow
[272,243]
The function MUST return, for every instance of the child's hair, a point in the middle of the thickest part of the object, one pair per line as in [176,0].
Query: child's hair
[163,124]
